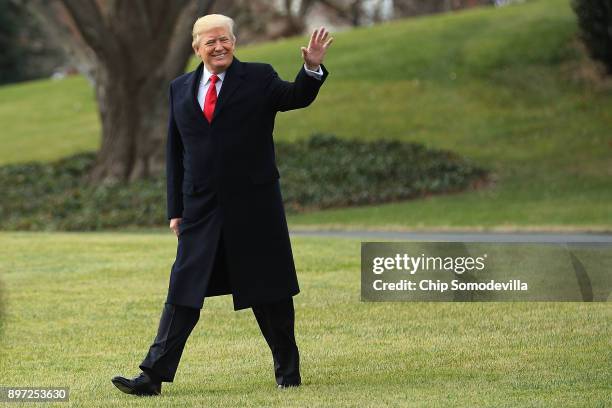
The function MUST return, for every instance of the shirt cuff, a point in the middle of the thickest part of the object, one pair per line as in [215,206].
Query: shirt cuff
[315,74]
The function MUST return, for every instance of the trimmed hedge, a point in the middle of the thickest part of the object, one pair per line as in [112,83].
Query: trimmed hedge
[325,171]
[321,172]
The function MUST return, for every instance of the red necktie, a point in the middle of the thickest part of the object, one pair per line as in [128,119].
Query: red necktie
[211,98]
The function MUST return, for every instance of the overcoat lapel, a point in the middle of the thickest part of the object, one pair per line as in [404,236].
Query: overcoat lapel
[190,96]
[232,81]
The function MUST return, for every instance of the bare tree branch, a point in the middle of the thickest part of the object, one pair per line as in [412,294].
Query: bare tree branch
[49,12]
[305,7]
[180,46]
[351,12]
[90,23]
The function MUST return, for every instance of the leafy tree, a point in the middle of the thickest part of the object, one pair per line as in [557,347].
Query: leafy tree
[12,54]
[595,21]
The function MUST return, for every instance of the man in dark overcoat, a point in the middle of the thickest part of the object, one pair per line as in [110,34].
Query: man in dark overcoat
[224,199]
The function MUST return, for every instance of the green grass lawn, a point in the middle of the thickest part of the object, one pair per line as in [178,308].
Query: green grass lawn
[494,84]
[80,308]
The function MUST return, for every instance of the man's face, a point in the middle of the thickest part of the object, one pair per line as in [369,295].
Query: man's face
[216,49]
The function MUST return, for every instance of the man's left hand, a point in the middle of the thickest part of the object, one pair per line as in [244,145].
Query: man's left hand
[317,47]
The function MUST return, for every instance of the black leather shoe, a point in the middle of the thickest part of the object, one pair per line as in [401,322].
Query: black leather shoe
[141,385]
[288,385]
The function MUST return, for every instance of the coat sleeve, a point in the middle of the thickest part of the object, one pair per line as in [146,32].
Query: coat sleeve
[174,166]
[284,95]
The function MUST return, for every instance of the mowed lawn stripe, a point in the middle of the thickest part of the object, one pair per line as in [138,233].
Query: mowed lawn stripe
[82,307]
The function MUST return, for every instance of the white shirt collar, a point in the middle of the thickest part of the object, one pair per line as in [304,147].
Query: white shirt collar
[207,74]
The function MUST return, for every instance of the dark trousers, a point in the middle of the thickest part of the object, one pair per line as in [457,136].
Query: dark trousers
[276,322]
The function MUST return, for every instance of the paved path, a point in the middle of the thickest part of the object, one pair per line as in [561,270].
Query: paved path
[456,236]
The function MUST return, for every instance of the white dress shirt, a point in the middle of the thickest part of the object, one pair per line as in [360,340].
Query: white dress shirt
[205,82]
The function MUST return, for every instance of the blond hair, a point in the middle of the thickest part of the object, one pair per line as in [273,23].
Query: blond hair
[211,21]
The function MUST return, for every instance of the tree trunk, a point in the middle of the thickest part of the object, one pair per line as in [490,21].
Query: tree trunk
[133,113]
[136,48]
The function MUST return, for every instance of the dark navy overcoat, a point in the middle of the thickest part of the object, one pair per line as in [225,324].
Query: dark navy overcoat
[222,180]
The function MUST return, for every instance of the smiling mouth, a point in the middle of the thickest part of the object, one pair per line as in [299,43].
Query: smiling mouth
[220,56]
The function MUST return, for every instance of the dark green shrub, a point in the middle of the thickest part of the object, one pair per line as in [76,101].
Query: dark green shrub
[325,171]
[595,21]
[320,172]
